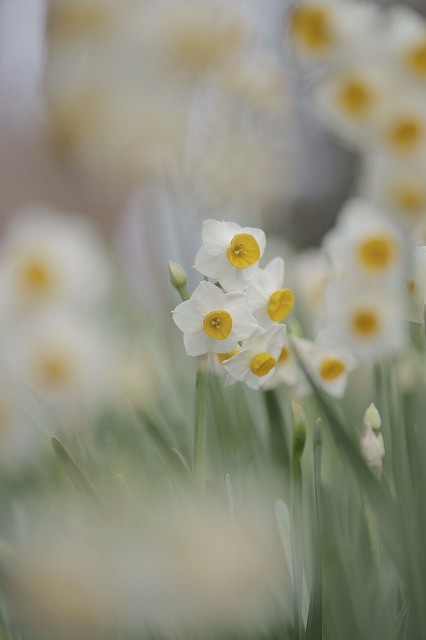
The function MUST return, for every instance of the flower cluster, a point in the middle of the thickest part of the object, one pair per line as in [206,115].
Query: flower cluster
[238,316]
[54,278]
[369,92]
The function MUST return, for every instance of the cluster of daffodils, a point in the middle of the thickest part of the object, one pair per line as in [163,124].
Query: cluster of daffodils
[140,87]
[371,92]
[369,89]
[54,279]
[238,312]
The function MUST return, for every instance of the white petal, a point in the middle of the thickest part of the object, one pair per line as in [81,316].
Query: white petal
[223,346]
[207,297]
[196,344]
[186,317]
[211,266]
[218,235]
[233,279]
[275,272]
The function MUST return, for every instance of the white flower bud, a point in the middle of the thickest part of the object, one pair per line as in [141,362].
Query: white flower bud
[372,417]
[373,449]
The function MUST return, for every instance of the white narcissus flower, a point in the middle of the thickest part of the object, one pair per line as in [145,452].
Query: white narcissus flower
[323,29]
[230,253]
[397,186]
[365,243]
[368,321]
[310,273]
[328,365]
[49,259]
[400,125]
[268,300]
[213,321]
[259,355]
[64,361]
[348,100]
[406,42]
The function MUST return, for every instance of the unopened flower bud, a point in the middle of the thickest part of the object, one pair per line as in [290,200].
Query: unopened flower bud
[372,449]
[178,279]
[372,417]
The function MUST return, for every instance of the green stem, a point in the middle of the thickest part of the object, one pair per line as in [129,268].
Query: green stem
[200,422]
[278,446]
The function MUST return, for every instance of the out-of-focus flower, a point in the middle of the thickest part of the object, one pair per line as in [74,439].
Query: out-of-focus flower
[349,99]
[255,362]
[400,127]
[49,260]
[329,366]
[268,300]
[189,571]
[365,243]
[397,186]
[64,362]
[322,29]
[310,272]
[213,321]
[368,321]
[405,43]
[230,253]
[193,37]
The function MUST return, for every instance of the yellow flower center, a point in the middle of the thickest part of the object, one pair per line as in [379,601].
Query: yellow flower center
[416,59]
[243,251]
[405,134]
[36,276]
[225,356]
[218,324]
[365,323]
[377,253]
[54,369]
[262,363]
[331,368]
[280,304]
[355,97]
[284,355]
[311,28]
[409,197]
[70,20]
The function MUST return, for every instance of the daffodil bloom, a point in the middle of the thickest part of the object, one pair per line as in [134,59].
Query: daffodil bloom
[259,355]
[268,300]
[349,99]
[213,321]
[366,320]
[322,29]
[230,254]
[365,243]
[406,43]
[398,186]
[400,127]
[329,366]
[49,259]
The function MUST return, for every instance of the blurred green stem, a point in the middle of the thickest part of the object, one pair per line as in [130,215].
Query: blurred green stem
[278,447]
[299,437]
[200,422]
